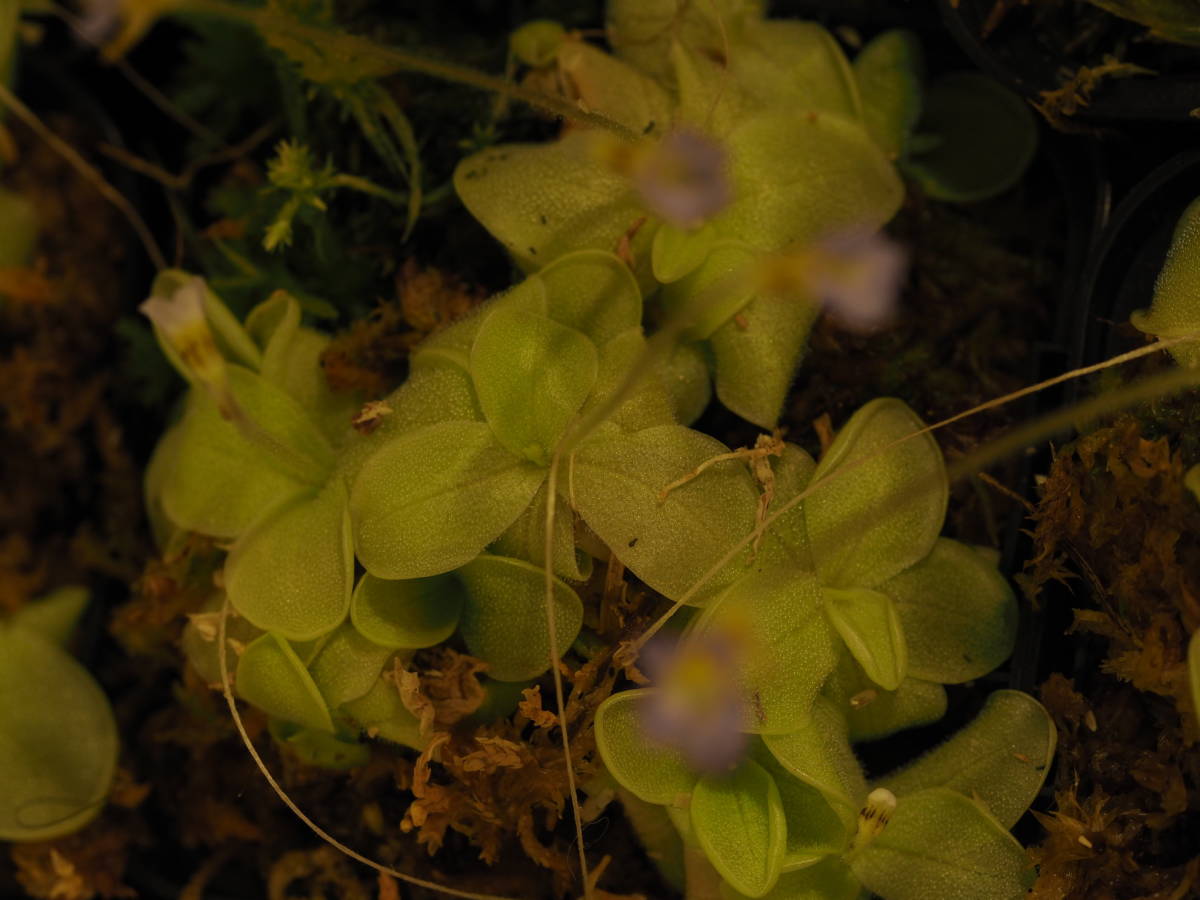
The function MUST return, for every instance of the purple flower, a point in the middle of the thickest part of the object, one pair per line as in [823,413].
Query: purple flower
[856,275]
[684,178]
[696,706]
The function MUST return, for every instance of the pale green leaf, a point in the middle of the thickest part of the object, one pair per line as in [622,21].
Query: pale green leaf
[871,712]
[713,291]
[593,292]
[54,616]
[271,676]
[199,641]
[815,829]
[785,64]
[986,138]
[829,879]
[1001,758]
[292,572]
[526,538]
[878,498]
[430,500]
[347,665]
[319,748]
[409,614]
[940,844]
[786,645]
[786,541]
[738,820]
[818,754]
[799,177]
[504,617]
[756,355]
[1175,309]
[381,713]
[650,771]
[223,478]
[677,251]
[641,31]
[58,739]
[868,623]
[614,482]
[544,200]
[957,611]
[612,88]
[686,378]
[531,375]
[889,70]
[648,402]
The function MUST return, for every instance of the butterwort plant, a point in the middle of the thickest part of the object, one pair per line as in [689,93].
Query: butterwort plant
[848,635]
[440,494]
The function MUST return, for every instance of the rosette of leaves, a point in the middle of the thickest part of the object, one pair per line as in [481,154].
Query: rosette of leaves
[58,737]
[808,154]
[856,605]
[868,605]
[797,820]
[462,465]
[1175,309]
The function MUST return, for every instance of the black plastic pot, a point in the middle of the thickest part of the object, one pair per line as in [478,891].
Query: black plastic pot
[1020,55]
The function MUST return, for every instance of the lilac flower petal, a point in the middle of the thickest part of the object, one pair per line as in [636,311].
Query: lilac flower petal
[857,275]
[684,180]
[696,708]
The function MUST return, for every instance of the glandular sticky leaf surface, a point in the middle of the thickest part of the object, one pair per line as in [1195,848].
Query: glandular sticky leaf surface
[829,879]
[941,844]
[409,614]
[526,538]
[646,402]
[814,828]
[544,200]
[1175,310]
[889,70]
[381,713]
[678,251]
[738,820]
[786,647]
[593,292]
[883,509]
[531,375]
[870,628]
[272,677]
[614,482]
[293,571]
[1000,758]
[871,712]
[430,500]
[650,771]
[756,355]
[715,290]
[347,665]
[504,617]
[220,483]
[799,177]
[818,754]
[786,541]
[58,739]
[958,613]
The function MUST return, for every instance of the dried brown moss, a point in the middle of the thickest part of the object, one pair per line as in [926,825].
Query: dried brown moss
[1114,513]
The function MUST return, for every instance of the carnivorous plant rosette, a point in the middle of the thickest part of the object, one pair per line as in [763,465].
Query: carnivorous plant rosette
[806,154]
[852,631]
